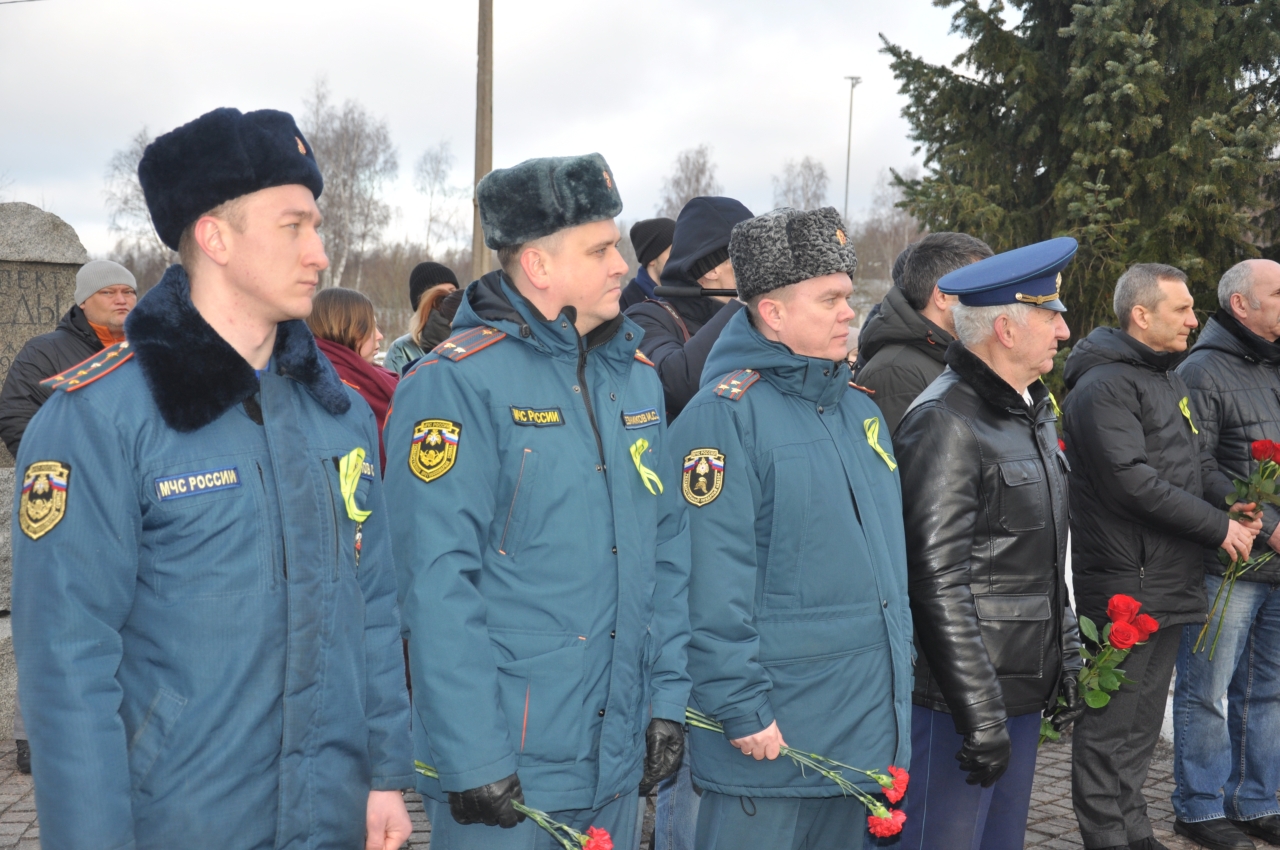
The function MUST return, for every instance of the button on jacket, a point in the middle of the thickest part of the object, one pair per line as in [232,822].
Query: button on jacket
[542,582]
[985,502]
[798,591]
[204,657]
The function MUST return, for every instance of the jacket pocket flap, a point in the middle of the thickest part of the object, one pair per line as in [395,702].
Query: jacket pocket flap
[1018,472]
[1030,607]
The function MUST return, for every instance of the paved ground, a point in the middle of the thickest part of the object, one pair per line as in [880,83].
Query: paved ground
[1051,825]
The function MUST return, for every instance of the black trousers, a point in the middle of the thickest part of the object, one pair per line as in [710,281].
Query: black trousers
[1111,747]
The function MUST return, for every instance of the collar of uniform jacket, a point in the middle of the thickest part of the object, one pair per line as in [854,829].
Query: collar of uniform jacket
[195,375]
[992,388]
[741,346]
[1224,329]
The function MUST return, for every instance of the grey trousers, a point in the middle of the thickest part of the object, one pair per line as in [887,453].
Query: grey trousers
[1111,747]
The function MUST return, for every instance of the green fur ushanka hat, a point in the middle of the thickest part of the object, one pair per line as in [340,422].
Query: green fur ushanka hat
[787,246]
[540,196]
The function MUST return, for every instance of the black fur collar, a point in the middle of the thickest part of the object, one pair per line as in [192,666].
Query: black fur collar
[990,387]
[195,375]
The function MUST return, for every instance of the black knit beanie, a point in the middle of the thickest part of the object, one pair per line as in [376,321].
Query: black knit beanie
[651,237]
[426,275]
[709,262]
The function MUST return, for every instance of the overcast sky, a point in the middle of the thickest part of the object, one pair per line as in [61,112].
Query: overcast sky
[760,82]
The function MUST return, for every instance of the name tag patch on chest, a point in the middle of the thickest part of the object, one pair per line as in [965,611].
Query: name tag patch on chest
[196,483]
[537,417]
[633,419]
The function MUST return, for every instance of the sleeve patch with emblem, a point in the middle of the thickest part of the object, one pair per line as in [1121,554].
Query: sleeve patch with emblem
[434,449]
[43,502]
[702,476]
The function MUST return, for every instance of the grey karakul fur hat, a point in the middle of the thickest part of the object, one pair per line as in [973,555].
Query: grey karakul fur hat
[787,246]
[540,196]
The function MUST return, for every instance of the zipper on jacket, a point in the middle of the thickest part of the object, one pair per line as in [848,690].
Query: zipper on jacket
[586,398]
[1142,577]
[284,556]
[514,496]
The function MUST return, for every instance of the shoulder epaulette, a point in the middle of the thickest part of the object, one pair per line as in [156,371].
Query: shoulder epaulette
[645,360]
[734,385]
[85,373]
[866,390]
[468,342]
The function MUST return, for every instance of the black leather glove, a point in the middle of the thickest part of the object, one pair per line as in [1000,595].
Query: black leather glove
[985,754]
[664,747]
[489,804]
[1069,690]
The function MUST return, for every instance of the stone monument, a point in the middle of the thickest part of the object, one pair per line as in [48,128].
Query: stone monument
[39,257]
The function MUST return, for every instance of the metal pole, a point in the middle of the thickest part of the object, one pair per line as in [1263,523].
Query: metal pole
[484,133]
[848,151]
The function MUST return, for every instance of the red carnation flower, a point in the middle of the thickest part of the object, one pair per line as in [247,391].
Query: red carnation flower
[1124,635]
[1062,445]
[597,839]
[899,788]
[885,827]
[1122,609]
[1146,626]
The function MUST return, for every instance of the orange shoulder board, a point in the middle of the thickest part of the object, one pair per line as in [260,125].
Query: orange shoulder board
[645,360]
[734,385]
[468,342]
[98,366]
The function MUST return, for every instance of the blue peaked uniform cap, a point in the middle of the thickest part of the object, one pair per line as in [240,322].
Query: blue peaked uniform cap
[1028,275]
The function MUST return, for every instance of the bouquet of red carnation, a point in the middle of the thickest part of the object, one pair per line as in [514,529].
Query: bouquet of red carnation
[568,837]
[883,821]
[1100,675]
[1261,487]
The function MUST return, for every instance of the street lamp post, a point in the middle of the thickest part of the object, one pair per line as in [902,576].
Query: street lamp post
[848,152]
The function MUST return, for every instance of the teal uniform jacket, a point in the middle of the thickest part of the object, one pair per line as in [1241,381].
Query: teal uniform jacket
[542,584]
[798,593]
[202,659]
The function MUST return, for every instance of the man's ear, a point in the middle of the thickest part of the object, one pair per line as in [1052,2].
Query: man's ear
[771,312]
[1140,316]
[938,299]
[209,234]
[1239,306]
[536,265]
[1003,331]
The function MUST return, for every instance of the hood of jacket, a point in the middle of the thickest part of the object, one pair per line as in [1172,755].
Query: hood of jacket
[898,323]
[702,227]
[195,375]
[741,346]
[1223,332]
[1112,345]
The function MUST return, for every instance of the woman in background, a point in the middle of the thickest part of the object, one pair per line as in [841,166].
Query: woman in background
[429,284]
[346,331]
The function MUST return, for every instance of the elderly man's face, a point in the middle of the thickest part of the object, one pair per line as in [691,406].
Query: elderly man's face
[110,305]
[585,272]
[1036,342]
[1264,320]
[814,316]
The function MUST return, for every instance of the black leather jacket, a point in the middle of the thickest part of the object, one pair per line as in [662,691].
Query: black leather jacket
[984,491]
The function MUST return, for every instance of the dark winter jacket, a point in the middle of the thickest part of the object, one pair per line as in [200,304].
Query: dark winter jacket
[984,495]
[1138,469]
[903,354]
[1234,378]
[71,342]
[639,289]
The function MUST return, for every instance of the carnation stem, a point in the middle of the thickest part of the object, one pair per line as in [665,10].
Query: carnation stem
[1223,618]
[1204,630]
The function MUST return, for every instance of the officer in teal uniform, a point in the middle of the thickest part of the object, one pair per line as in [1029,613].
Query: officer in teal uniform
[797,598]
[205,618]
[540,541]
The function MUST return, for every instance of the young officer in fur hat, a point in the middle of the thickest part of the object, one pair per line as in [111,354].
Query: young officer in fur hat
[204,600]
[547,618]
[798,593]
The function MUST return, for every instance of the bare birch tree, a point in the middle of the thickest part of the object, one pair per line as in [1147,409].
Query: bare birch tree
[694,176]
[431,178]
[802,186]
[138,247]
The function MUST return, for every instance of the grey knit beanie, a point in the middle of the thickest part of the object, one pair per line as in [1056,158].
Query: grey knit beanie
[99,274]
[787,246]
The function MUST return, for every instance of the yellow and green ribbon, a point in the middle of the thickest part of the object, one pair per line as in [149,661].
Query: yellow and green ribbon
[872,427]
[647,475]
[1186,411]
[349,478]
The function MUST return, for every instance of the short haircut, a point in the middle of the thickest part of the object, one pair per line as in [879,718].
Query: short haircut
[1141,285]
[1238,278]
[934,256]
[232,212]
[509,255]
[900,263]
[343,316]
[975,324]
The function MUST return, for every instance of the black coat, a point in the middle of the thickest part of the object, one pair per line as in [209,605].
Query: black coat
[1138,523]
[984,497]
[679,348]
[903,354]
[1234,378]
[71,342]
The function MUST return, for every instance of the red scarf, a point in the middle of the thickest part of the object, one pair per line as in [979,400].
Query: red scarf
[375,384]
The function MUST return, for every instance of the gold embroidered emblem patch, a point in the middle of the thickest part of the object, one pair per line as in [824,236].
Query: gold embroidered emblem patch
[841,237]
[43,502]
[702,476]
[302,149]
[434,449]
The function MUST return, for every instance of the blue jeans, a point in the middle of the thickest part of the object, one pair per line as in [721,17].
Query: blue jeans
[676,813]
[1228,762]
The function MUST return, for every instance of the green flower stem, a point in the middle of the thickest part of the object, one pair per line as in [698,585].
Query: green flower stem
[1204,630]
[1223,618]
[560,832]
